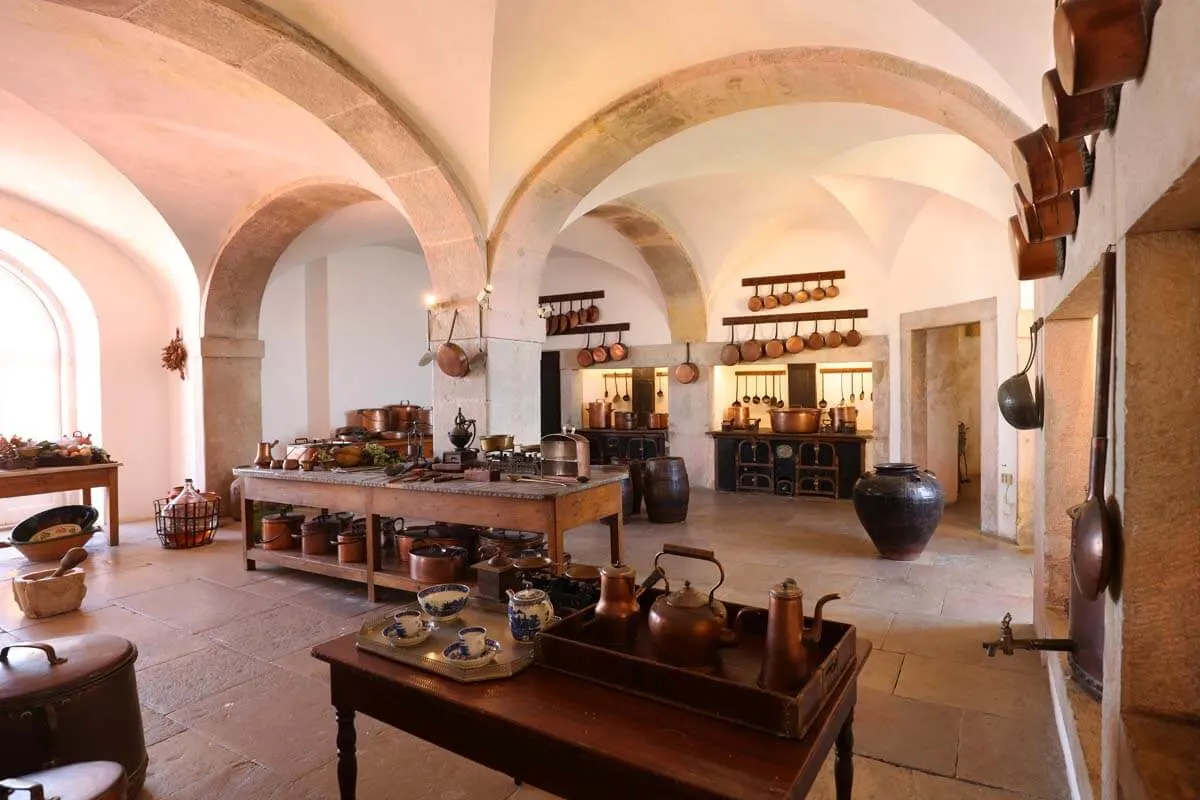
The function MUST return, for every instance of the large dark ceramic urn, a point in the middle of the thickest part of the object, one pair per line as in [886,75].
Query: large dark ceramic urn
[900,505]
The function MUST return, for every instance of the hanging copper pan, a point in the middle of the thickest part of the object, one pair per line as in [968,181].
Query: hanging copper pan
[1049,220]
[1100,43]
[572,317]
[832,290]
[755,303]
[600,351]
[593,314]
[771,300]
[1035,261]
[802,295]
[584,356]
[451,358]
[775,347]
[815,340]
[795,342]
[1074,116]
[786,298]
[752,348]
[730,353]
[853,337]
[619,351]
[834,337]
[552,324]
[818,293]
[564,323]
[1048,168]
[687,372]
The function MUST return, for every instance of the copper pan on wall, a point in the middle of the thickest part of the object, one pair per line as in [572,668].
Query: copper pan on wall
[1100,43]
[1048,220]
[1074,116]
[1035,260]
[1048,168]
[451,358]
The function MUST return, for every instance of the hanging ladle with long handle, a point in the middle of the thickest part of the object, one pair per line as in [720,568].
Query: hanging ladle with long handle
[1020,405]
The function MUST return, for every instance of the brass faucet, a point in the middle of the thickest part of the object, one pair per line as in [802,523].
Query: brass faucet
[1007,644]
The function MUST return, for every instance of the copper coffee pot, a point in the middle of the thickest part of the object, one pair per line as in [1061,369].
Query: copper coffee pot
[617,612]
[264,457]
[785,665]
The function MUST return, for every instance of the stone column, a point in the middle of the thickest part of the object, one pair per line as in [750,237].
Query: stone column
[941,411]
[232,407]
[690,409]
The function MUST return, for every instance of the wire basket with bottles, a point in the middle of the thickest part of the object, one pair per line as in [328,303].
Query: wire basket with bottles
[187,518]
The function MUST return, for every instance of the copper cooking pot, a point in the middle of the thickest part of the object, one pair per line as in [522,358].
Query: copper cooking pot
[1034,260]
[374,420]
[731,353]
[1048,168]
[600,352]
[402,415]
[843,415]
[624,420]
[433,563]
[1100,43]
[657,421]
[752,349]
[599,414]
[795,342]
[815,340]
[795,420]
[1073,116]
[1052,219]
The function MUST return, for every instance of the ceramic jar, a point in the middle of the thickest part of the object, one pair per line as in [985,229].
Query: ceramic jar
[529,612]
[900,506]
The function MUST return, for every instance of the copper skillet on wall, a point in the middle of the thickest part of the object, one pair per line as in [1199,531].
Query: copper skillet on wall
[584,356]
[751,349]
[853,336]
[593,314]
[775,347]
[600,351]
[451,358]
[834,337]
[619,351]
[795,342]
[573,317]
[755,303]
[786,298]
[771,300]
[815,340]
[832,290]
[730,353]
[687,372]
[818,293]
[802,295]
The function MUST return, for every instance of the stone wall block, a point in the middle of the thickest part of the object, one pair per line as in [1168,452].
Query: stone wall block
[298,74]
[382,140]
[434,211]
[211,28]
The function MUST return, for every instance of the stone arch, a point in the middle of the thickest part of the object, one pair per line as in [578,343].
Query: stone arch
[231,350]
[670,262]
[254,39]
[551,190]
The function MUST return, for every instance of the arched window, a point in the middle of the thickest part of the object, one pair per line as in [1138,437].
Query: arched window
[31,383]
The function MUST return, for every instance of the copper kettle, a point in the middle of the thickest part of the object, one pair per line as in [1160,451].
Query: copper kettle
[785,664]
[687,626]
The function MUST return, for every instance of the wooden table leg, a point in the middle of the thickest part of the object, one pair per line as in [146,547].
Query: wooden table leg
[114,537]
[374,534]
[843,766]
[347,767]
[616,527]
[85,496]
[248,531]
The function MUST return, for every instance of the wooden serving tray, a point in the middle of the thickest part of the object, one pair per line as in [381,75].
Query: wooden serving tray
[730,691]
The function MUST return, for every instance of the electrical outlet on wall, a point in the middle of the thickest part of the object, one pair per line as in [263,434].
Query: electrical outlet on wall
[1006,478]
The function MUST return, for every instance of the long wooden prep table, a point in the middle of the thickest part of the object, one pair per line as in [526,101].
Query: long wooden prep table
[538,507]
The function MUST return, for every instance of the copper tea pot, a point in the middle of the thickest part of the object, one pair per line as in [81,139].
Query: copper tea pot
[617,612]
[687,626]
[785,665]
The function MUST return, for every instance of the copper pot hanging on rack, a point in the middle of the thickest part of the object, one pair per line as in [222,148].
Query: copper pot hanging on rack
[1048,220]
[755,303]
[774,348]
[815,340]
[731,353]
[802,294]
[687,372]
[853,336]
[832,290]
[1100,43]
[618,351]
[1048,168]
[786,298]
[600,351]
[834,337]
[1035,260]
[584,357]
[771,301]
[593,313]
[751,349]
[817,293]
[1075,116]
[795,342]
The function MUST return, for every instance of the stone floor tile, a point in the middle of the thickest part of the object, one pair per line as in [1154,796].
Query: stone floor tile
[113,620]
[1016,695]
[898,597]
[301,662]
[196,605]
[429,773]
[1002,576]
[124,582]
[987,607]
[752,578]
[340,600]
[1013,754]
[195,677]
[242,780]
[881,671]
[282,586]
[185,759]
[157,727]
[280,720]
[910,733]
[873,780]
[167,647]
[958,640]
[935,787]
[872,624]
[276,632]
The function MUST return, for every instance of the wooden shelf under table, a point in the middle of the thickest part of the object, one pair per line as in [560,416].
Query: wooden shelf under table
[388,575]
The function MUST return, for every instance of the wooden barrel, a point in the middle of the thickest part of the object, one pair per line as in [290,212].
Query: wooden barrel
[666,489]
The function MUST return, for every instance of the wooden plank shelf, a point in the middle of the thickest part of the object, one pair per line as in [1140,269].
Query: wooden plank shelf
[597,294]
[612,327]
[801,316]
[800,277]
[846,370]
[390,574]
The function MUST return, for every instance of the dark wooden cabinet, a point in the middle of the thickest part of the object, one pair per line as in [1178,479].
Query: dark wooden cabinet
[791,465]
[609,445]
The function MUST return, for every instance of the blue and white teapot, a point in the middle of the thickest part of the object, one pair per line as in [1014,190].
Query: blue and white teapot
[529,612]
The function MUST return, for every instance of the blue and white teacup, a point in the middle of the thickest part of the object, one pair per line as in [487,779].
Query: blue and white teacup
[409,624]
[474,640]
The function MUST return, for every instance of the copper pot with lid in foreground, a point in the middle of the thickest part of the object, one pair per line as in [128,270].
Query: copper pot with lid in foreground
[435,563]
[795,420]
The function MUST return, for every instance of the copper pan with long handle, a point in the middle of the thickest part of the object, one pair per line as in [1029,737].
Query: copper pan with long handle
[1094,531]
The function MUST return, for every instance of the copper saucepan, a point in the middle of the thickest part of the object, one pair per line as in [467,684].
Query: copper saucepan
[751,349]
[600,351]
[834,337]
[818,293]
[775,347]
[771,300]
[853,336]
[730,353]
[815,340]
[584,357]
[832,291]
[687,372]
[619,351]
[795,342]
[755,303]
[593,314]
[451,358]
[786,298]
[802,295]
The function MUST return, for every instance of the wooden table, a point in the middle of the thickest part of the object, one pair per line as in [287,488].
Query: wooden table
[581,740]
[47,480]
[538,507]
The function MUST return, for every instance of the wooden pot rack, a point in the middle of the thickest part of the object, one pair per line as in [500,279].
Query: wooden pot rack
[845,370]
[583,330]
[802,316]
[597,294]
[742,373]
[802,277]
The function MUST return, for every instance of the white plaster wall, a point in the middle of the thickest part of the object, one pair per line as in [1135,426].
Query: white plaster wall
[372,303]
[628,298]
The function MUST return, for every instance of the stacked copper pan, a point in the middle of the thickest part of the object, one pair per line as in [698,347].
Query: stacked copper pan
[1098,45]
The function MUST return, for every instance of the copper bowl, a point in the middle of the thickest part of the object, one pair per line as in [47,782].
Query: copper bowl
[795,420]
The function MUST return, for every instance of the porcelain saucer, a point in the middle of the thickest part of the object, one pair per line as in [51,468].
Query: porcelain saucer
[456,654]
[392,634]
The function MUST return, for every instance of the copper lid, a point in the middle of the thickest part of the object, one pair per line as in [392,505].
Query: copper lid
[788,590]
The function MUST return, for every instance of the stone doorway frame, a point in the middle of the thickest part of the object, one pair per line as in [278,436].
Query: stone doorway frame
[983,312]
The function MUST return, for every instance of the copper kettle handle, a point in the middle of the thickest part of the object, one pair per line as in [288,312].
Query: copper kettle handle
[46,648]
[683,551]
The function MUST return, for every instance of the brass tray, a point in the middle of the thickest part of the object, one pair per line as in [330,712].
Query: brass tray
[512,658]
[729,691]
